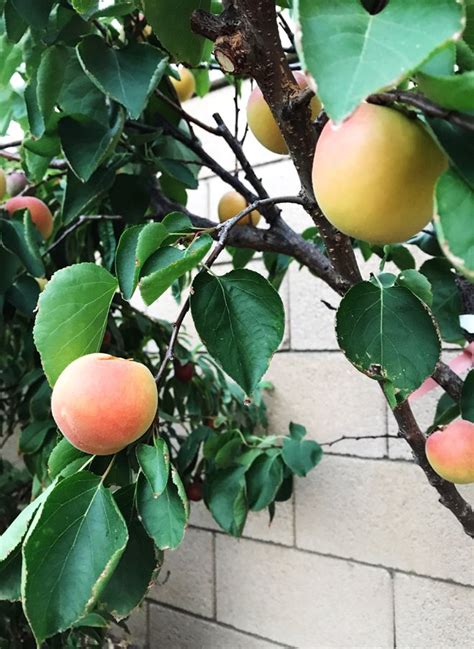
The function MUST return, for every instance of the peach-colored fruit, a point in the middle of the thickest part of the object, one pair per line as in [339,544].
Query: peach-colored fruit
[231,204]
[186,86]
[40,212]
[3,184]
[16,182]
[450,451]
[374,175]
[102,403]
[262,123]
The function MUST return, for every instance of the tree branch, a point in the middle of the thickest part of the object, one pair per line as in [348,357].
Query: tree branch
[448,380]
[425,105]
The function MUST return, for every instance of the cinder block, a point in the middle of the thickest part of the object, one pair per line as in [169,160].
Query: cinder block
[433,615]
[330,397]
[137,626]
[303,600]
[187,577]
[384,513]
[175,630]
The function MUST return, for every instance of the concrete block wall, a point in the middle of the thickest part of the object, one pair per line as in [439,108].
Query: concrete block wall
[363,556]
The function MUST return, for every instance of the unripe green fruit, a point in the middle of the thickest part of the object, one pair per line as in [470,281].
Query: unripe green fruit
[374,175]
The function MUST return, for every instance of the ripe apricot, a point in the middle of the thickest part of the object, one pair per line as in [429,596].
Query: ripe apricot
[102,403]
[186,86]
[39,211]
[262,123]
[374,175]
[16,183]
[450,451]
[230,204]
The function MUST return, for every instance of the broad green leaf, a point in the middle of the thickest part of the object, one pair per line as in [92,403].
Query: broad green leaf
[168,264]
[79,196]
[15,25]
[446,305]
[226,498]
[455,91]
[33,435]
[173,27]
[418,284]
[301,455]
[12,537]
[14,238]
[10,577]
[455,222]
[50,78]
[62,455]
[79,96]
[34,12]
[79,525]
[128,75]
[23,294]
[130,196]
[92,620]
[136,245]
[136,569]
[154,461]
[388,333]
[240,319]
[240,256]
[72,315]
[164,517]
[352,54]
[190,447]
[264,479]
[467,397]
[87,143]
[297,431]
[226,456]
[458,143]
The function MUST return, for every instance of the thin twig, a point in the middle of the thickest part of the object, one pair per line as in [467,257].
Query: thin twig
[77,224]
[347,438]
[184,114]
[426,106]
[10,145]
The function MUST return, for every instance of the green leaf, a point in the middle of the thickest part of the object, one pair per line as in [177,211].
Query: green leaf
[50,78]
[454,222]
[87,143]
[62,455]
[264,479]
[23,294]
[93,8]
[455,92]
[72,315]
[137,566]
[173,28]
[226,498]
[458,143]
[130,196]
[136,245]
[190,447]
[168,264]
[79,196]
[79,96]
[164,517]
[34,12]
[128,75]
[55,595]
[33,436]
[14,238]
[11,539]
[297,431]
[240,319]
[154,461]
[301,455]
[388,333]
[240,256]
[10,577]
[14,24]
[447,304]
[417,284]
[467,397]
[352,54]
